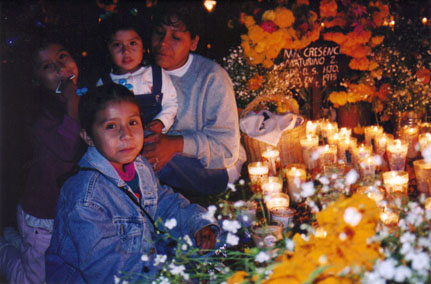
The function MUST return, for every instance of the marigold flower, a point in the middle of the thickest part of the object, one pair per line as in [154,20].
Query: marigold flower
[359,64]
[255,82]
[268,15]
[328,8]
[249,21]
[237,277]
[376,40]
[283,17]
[423,75]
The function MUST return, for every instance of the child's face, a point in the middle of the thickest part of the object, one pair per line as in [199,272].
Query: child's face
[117,133]
[171,45]
[126,50]
[54,64]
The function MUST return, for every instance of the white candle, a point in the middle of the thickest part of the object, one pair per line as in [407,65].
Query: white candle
[370,133]
[311,127]
[327,155]
[272,158]
[424,140]
[345,149]
[367,167]
[381,142]
[333,139]
[283,214]
[411,135]
[327,129]
[397,153]
[277,200]
[362,151]
[258,173]
[423,176]
[345,132]
[309,144]
[296,176]
[396,181]
[272,185]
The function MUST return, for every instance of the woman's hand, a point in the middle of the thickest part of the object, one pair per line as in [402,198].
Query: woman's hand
[155,126]
[161,148]
[205,238]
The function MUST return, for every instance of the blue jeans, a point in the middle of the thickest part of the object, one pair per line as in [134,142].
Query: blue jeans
[189,177]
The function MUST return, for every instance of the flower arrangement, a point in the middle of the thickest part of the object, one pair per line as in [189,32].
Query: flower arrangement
[274,29]
[351,25]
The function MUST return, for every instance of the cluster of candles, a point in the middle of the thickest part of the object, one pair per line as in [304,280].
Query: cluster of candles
[325,146]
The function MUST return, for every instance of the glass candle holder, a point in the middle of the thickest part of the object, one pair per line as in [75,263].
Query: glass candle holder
[345,132]
[345,149]
[427,204]
[296,176]
[258,173]
[284,215]
[362,151]
[272,185]
[367,167]
[424,140]
[266,235]
[277,200]
[271,156]
[327,129]
[389,218]
[327,156]
[381,142]
[309,144]
[247,212]
[425,127]
[397,153]
[410,134]
[396,181]
[423,176]
[370,134]
[311,127]
[333,139]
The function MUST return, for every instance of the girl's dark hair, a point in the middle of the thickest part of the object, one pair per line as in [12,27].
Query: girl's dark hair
[97,98]
[172,13]
[119,22]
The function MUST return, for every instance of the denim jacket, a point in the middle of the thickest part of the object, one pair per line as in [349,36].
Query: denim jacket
[99,232]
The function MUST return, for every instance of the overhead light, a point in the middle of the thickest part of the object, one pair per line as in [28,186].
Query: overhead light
[210,4]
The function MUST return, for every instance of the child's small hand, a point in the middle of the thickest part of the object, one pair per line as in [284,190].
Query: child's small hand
[156,126]
[205,238]
[72,100]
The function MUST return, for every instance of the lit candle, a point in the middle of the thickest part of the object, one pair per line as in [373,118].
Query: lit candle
[423,176]
[397,153]
[272,185]
[411,135]
[345,132]
[327,129]
[345,149]
[396,181]
[367,167]
[425,127]
[277,200]
[333,139]
[311,127]
[327,155]
[389,218]
[272,158]
[424,140]
[296,176]
[362,151]
[258,173]
[381,142]
[370,133]
[309,144]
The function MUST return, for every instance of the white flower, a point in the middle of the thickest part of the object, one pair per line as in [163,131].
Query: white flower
[210,214]
[144,257]
[290,245]
[372,278]
[162,280]
[262,257]
[177,270]
[188,240]
[239,204]
[315,155]
[231,226]
[160,258]
[184,247]
[117,280]
[421,261]
[232,239]
[171,223]
[324,180]
[386,268]
[307,189]
[402,273]
[352,176]
[352,216]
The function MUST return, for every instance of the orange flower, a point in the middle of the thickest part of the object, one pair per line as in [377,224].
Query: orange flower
[423,75]
[375,41]
[359,64]
[237,277]
[339,21]
[302,2]
[255,82]
[328,8]
[335,37]
[283,17]
[384,90]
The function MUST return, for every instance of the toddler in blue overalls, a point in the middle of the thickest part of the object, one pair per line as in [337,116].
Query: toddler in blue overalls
[157,101]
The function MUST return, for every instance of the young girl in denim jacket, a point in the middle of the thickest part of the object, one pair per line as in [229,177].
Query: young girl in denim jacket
[57,147]
[106,211]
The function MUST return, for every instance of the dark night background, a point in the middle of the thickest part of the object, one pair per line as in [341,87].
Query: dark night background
[77,23]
